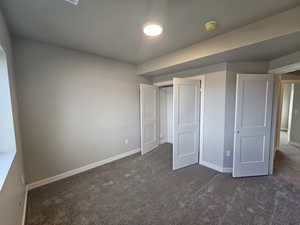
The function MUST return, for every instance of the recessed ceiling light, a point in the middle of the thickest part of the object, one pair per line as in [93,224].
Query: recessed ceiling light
[153,29]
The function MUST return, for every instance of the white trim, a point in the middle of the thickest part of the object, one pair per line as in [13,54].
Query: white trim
[295,144]
[202,99]
[170,82]
[25,206]
[227,169]
[163,83]
[275,112]
[216,167]
[80,170]
[286,69]
[291,111]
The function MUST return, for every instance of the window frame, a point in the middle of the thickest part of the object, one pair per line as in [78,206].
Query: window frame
[8,144]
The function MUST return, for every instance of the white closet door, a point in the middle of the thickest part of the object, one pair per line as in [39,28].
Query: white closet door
[253,124]
[149,98]
[186,119]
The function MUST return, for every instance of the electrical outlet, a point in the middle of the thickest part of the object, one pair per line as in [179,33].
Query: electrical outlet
[126,141]
[228,153]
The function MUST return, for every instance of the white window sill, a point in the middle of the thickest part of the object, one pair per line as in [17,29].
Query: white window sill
[6,160]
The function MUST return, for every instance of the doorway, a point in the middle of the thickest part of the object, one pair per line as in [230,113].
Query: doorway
[166,114]
[170,113]
[287,156]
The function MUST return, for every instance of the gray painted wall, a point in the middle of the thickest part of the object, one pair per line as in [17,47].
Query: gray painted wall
[229,118]
[285,106]
[295,126]
[214,117]
[75,108]
[13,191]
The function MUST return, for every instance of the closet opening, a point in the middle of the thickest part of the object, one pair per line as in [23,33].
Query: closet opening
[166,114]
[171,119]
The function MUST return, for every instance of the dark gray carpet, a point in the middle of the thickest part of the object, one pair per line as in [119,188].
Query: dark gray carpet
[142,190]
[287,164]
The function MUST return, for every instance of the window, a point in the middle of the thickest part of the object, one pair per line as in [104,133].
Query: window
[7,131]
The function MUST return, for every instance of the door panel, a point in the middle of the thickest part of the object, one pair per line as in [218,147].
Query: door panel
[251,100]
[186,105]
[252,149]
[149,117]
[253,124]
[186,119]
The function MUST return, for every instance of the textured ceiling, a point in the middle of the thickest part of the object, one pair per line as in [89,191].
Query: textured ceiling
[113,28]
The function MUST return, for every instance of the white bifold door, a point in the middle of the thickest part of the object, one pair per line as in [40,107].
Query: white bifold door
[149,103]
[252,124]
[186,119]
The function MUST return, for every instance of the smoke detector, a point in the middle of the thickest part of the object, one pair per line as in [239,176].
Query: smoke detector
[74,2]
[211,26]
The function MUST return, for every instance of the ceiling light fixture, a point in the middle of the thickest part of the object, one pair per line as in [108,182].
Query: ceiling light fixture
[153,29]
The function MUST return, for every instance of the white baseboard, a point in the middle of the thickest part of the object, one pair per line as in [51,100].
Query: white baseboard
[79,170]
[227,169]
[215,167]
[25,206]
[295,144]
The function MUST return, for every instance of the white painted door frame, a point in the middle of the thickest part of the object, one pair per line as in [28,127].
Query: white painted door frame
[291,108]
[276,117]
